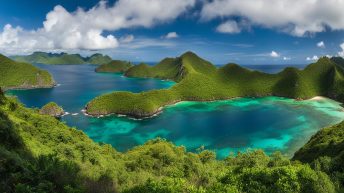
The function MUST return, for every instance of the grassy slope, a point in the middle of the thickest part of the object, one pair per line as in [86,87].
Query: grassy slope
[114,66]
[63,58]
[157,166]
[22,75]
[199,80]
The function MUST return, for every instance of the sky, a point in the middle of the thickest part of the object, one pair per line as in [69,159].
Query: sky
[221,31]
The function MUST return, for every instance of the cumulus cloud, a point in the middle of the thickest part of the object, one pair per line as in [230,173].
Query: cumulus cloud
[321,44]
[295,17]
[229,27]
[274,54]
[171,35]
[314,58]
[286,58]
[85,29]
[341,53]
[127,39]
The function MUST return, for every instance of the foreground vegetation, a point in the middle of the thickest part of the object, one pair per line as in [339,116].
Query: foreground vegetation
[199,80]
[40,154]
[17,75]
[62,58]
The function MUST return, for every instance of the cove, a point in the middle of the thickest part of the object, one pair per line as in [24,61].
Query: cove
[269,123]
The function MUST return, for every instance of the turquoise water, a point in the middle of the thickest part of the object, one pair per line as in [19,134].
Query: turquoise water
[269,123]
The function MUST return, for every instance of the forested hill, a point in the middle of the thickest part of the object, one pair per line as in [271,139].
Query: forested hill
[199,80]
[38,153]
[19,75]
[62,58]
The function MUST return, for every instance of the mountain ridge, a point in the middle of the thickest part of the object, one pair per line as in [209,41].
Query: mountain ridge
[199,80]
[62,58]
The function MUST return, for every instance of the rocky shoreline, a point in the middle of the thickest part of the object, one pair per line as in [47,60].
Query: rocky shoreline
[28,87]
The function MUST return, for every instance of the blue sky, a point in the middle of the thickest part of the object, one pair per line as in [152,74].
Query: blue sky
[221,31]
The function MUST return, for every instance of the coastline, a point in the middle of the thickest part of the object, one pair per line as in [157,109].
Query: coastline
[29,87]
[140,116]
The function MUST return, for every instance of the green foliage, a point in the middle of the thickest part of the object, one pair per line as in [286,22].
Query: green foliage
[199,80]
[62,58]
[22,75]
[114,66]
[40,154]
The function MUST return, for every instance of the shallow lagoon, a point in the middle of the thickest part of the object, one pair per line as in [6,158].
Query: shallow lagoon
[269,123]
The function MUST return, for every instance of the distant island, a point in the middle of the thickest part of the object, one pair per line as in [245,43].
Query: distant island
[62,58]
[199,80]
[20,75]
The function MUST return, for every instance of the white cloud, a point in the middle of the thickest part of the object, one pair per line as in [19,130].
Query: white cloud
[171,35]
[321,44]
[341,53]
[286,58]
[84,29]
[274,54]
[229,27]
[314,58]
[295,17]
[139,43]
[127,39]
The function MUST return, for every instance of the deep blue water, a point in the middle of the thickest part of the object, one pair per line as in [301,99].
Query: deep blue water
[269,123]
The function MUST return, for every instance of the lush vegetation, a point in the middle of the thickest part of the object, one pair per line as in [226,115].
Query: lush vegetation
[114,66]
[18,75]
[62,58]
[52,109]
[40,154]
[199,80]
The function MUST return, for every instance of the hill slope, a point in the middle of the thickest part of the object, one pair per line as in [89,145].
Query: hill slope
[22,75]
[199,80]
[62,58]
[172,68]
[40,154]
[114,66]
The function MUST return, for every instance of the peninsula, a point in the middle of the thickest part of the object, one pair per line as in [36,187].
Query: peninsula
[199,80]
[62,58]
[20,75]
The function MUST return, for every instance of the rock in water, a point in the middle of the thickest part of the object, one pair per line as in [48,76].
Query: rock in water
[52,109]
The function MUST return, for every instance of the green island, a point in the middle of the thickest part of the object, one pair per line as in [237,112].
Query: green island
[20,75]
[114,66]
[199,80]
[52,109]
[62,58]
[38,153]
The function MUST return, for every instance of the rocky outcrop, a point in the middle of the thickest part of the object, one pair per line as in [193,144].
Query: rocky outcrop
[52,109]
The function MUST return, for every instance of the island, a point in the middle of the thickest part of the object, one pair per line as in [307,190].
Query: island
[20,75]
[115,66]
[39,153]
[52,109]
[62,58]
[199,80]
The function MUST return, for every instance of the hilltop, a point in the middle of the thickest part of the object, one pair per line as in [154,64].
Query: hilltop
[199,80]
[38,153]
[19,75]
[62,58]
